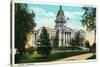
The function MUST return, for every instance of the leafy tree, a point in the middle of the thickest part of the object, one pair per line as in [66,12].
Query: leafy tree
[43,43]
[93,48]
[56,39]
[87,44]
[77,40]
[24,24]
[89,19]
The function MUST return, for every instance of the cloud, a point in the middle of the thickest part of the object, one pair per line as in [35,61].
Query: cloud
[45,22]
[46,18]
[40,12]
[74,19]
[73,15]
[50,14]
[74,24]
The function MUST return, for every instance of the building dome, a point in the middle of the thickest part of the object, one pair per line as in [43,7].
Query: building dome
[60,12]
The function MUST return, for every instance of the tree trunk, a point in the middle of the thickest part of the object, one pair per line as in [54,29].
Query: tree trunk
[95,36]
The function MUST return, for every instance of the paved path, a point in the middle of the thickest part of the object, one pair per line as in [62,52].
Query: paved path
[72,59]
[77,57]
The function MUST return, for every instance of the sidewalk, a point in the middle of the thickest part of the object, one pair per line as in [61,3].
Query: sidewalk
[78,57]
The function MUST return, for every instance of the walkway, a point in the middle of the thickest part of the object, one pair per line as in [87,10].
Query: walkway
[78,57]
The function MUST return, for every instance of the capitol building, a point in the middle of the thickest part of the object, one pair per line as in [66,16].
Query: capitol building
[65,33]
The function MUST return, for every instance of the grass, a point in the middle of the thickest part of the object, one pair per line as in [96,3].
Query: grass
[33,58]
[67,48]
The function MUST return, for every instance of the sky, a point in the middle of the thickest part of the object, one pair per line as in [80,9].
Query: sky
[45,15]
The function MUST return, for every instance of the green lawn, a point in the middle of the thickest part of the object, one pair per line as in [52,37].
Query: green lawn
[33,58]
[67,48]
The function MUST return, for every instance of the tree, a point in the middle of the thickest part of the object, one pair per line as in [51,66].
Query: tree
[56,39]
[93,48]
[77,40]
[43,43]
[89,19]
[24,24]
[87,44]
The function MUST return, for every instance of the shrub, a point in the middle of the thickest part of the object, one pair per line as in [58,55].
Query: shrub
[30,50]
[77,40]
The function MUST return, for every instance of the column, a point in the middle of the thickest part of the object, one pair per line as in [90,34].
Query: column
[70,35]
[65,38]
[59,38]
[62,37]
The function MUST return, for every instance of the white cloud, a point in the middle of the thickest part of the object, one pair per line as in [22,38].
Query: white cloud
[72,24]
[74,19]
[46,18]
[73,15]
[37,9]
[42,12]
[50,14]
[45,22]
